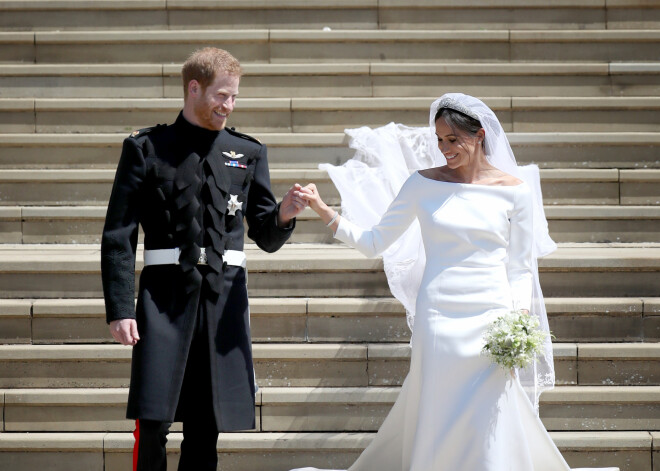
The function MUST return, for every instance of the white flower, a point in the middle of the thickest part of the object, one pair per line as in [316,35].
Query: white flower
[513,340]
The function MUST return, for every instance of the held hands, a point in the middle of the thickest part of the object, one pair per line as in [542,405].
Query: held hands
[125,331]
[297,198]
[292,205]
[310,195]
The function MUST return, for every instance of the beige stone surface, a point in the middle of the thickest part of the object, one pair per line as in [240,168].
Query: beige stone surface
[55,366]
[101,87]
[68,410]
[651,319]
[555,49]
[17,48]
[125,115]
[601,408]
[307,365]
[475,84]
[287,48]
[82,19]
[357,328]
[619,364]
[597,328]
[17,119]
[144,46]
[627,450]
[603,224]
[633,16]
[55,460]
[465,16]
[599,417]
[284,17]
[640,187]
[326,417]
[564,408]
[75,451]
[15,321]
[60,150]
[358,45]
[10,225]
[388,364]
[484,4]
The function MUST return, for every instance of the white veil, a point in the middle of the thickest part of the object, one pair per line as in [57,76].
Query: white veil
[385,157]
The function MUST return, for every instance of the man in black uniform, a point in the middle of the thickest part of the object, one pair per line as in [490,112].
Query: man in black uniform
[190,185]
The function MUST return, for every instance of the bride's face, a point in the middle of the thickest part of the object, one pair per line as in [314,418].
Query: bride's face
[458,147]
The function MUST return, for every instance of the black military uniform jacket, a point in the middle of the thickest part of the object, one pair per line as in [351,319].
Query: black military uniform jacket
[178,181]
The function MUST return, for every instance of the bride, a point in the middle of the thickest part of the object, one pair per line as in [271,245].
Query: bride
[472,227]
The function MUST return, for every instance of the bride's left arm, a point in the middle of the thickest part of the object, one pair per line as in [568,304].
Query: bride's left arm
[519,268]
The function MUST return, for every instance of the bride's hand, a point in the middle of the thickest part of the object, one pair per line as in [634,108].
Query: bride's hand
[311,195]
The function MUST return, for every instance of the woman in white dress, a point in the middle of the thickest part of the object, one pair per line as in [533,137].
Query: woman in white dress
[457,411]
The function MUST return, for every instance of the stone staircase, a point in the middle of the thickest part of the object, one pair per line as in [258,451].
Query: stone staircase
[575,84]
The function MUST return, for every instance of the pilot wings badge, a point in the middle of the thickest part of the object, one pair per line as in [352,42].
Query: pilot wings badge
[233,155]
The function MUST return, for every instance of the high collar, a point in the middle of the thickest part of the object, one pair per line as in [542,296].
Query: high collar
[194,134]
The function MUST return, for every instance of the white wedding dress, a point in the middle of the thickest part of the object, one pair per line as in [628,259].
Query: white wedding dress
[456,410]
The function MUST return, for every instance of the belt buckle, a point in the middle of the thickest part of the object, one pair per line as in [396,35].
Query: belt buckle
[202,257]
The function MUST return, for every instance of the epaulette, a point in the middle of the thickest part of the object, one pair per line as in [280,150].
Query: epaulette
[143,131]
[243,136]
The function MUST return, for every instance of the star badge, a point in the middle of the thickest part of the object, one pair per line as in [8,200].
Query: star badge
[234,205]
[232,155]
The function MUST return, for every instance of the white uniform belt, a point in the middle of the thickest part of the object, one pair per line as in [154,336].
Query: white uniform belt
[171,257]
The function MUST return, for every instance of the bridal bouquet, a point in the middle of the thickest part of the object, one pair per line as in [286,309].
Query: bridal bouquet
[513,340]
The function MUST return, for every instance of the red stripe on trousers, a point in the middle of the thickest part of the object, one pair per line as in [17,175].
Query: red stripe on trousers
[136,434]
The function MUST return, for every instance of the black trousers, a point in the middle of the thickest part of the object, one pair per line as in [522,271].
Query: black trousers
[200,432]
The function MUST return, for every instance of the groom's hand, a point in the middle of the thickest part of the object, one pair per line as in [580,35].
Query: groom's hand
[292,205]
[125,331]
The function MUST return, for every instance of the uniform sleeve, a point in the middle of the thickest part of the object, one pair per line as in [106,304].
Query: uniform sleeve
[398,217]
[120,234]
[262,210]
[519,267]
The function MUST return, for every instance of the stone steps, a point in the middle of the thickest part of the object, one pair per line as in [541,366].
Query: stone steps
[576,87]
[311,270]
[355,14]
[316,365]
[330,320]
[567,223]
[623,150]
[368,79]
[327,409]
[275,451]
[75,187]
[300,115]
[316,45]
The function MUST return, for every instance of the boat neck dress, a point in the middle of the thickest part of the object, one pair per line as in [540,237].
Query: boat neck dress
[457,411]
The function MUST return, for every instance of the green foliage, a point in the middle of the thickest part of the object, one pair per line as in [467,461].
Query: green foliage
[514,340]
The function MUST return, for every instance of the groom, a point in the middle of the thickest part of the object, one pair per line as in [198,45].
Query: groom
[190,185]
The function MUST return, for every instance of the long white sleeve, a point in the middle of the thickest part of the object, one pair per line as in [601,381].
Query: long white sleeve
[519,268]
[398,217]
